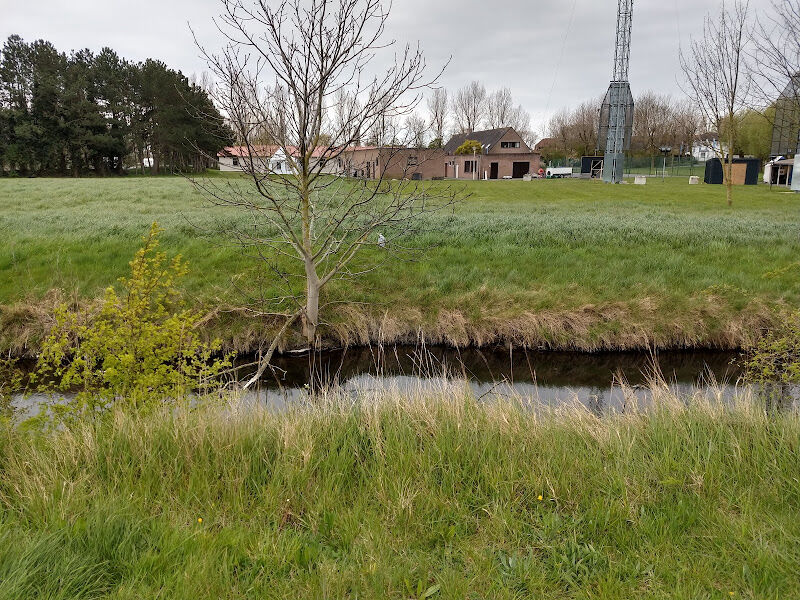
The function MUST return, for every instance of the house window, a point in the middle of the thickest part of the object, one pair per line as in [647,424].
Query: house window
[702,155]
[470,166]
[235,162]
[509,144]
[412,160]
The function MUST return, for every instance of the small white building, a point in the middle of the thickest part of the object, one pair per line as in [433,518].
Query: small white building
[779,171]
[707,147]
[280,164]
[269,159]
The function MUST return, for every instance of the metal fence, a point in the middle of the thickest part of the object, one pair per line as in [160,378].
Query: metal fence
[659,166]
[682,166]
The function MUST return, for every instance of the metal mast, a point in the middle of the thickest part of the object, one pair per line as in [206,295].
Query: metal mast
[616,114]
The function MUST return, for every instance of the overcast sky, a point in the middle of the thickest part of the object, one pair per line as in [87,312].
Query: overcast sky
[547,53]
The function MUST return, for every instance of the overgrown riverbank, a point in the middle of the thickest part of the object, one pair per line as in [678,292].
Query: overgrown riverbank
[710,323]
[401,496]
[556,264]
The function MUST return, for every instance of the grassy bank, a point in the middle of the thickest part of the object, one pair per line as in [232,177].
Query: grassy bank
[399,497]
[565,264]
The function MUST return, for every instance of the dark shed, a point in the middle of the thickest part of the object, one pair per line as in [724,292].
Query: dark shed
[745,171]
[592,166]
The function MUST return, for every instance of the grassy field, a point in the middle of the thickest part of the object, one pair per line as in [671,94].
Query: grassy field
[396,497]
[568,264]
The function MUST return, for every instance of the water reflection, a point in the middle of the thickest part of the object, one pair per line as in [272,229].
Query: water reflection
[602,382]
[539,378]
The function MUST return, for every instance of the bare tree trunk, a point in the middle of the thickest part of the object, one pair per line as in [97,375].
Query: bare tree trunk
[729,164]
[728,172]
[311,315]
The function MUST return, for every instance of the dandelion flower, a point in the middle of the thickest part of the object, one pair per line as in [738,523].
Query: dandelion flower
[540,498]
[200,520]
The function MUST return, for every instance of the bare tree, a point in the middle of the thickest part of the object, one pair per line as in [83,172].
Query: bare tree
[499,109]
[688,124]
[585,124]
[558,129]
[575,130]
[300,66]
[653,123]
[521,122]
[501,112]
[716,77]
[438,107]
[416,131]
[345,109]
[775,54]
[775,63]
[469,107]
[385,129]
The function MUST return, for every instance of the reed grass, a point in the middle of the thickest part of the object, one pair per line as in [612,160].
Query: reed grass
[399,495]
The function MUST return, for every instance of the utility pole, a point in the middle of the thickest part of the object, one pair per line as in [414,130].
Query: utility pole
[664,150]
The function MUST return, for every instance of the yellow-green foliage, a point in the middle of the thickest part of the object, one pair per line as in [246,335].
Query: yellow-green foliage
[470,147]
[776,357]
[143,343]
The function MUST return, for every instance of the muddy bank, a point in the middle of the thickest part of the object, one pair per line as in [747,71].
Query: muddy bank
[704,323]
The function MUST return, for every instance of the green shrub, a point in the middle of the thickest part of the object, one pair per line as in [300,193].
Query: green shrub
[144,343]
[774,363]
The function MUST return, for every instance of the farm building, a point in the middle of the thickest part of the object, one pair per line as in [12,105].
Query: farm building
[505,155]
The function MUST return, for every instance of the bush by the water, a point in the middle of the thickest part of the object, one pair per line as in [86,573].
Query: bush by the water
[399,497]
[774,362]
[142,344]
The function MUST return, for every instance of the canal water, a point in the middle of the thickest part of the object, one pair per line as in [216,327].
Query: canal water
[600,381]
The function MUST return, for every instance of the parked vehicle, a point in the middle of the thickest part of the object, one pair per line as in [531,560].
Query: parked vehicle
[558,172]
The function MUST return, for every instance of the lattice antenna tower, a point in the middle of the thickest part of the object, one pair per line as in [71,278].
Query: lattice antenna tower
[616,114]
[622,53]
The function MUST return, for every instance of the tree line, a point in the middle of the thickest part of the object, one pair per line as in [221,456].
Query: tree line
[659,120]
[84,113]
[467,109]
[737,74]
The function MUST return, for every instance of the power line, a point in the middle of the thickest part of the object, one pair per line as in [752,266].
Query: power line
[561,56]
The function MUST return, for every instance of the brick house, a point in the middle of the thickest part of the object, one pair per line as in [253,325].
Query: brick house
[505,156]
[389,162]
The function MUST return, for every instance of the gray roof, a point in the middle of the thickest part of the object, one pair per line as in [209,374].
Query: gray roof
[486,138]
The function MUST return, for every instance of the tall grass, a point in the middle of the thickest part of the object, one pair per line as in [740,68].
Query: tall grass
[396,496]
